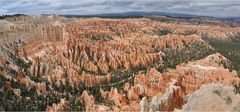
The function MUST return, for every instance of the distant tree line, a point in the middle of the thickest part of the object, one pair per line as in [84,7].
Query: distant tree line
[14,15]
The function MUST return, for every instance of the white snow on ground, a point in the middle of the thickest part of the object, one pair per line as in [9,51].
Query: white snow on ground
[41,53]
[206,68]
[1,22]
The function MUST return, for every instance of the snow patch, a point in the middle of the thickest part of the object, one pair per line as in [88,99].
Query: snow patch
[202,67]
[41,53]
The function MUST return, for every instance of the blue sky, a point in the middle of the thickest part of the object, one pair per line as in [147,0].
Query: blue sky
[218,8]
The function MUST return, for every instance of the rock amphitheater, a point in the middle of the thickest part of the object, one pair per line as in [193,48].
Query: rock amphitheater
[53,63]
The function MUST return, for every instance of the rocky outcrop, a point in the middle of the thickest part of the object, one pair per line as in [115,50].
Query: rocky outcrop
[88,100]
[30,28]
[213,97]
[208,70]
[105,58]
[62,106]
[119,99]
[144,104]
[168,101]
[167,91]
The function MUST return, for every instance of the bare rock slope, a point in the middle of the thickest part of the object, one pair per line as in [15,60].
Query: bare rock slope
[213,97]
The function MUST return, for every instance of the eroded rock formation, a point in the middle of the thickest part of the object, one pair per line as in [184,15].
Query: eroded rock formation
[98,64]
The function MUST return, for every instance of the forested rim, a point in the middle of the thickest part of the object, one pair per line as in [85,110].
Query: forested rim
[229,48]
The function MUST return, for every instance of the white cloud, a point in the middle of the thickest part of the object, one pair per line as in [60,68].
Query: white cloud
[200,7]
